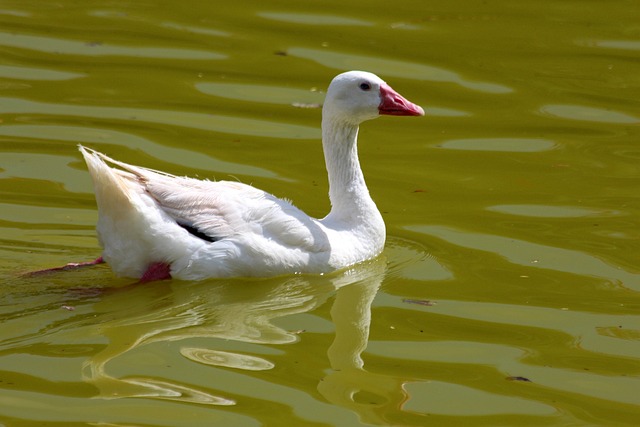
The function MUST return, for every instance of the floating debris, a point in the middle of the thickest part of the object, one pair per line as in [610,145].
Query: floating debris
[518,379]
[419,302]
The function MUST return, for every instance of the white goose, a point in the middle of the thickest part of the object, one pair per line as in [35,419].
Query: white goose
[154,226]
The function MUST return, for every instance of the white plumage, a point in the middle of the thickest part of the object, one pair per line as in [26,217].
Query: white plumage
[200,229]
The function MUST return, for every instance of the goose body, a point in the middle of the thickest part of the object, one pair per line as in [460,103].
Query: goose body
[155,225]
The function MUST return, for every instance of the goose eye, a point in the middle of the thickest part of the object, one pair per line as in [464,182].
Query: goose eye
[365,86]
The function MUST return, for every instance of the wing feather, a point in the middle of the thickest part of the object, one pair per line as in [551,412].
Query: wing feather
[225,209]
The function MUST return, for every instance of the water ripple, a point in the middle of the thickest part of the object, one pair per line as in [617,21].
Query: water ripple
[313,19]
[394,68]
[226,359]
[36,166]
[437,397]
[89,48]
[535,255]
[612,44]
[28,73]
[261,93]
[553,211]
[589,114]
[518,145]
[209,122]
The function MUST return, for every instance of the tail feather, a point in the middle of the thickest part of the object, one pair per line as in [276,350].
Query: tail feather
[123,218]
[110,185]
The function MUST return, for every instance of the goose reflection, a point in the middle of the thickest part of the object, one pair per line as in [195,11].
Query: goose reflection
[349,384]
[243,319]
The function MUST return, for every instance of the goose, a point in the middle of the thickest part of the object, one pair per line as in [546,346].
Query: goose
[154,226]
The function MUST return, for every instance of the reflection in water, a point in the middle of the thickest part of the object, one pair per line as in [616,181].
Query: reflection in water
[349,385]
[245,313]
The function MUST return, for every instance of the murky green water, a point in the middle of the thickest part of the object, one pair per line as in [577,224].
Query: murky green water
[509,290]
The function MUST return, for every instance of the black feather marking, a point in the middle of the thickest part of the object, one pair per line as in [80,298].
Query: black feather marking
[199,234]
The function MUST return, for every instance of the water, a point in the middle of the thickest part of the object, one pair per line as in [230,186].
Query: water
[509,290]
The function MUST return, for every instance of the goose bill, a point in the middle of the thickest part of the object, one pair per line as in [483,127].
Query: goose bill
[394,104]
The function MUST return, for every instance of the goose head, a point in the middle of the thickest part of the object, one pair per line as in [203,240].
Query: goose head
[356,96]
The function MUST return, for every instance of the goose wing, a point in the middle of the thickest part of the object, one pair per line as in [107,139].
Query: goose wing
[217,210]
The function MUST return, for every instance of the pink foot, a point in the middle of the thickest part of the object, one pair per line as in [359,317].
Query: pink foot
[156,271]
[70,266]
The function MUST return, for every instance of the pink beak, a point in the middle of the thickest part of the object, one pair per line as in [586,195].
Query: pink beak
[394,104]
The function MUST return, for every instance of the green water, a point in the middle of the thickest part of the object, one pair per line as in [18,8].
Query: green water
[508,293]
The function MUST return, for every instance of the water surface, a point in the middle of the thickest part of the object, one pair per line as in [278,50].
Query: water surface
[508,293]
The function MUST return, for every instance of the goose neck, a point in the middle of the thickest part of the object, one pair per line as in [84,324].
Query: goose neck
[347,189]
